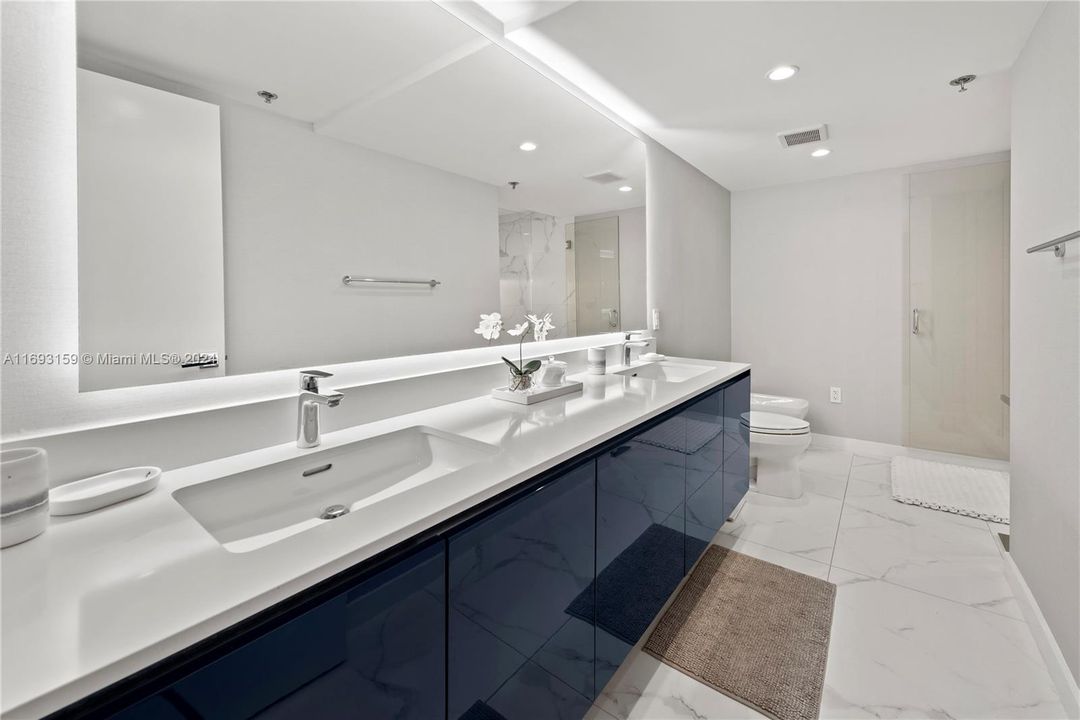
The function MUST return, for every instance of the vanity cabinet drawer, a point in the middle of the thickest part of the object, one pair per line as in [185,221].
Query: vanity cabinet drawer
[520,606]
[374,651]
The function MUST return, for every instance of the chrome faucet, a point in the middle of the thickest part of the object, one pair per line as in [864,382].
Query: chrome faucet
[307,410]
[629,343]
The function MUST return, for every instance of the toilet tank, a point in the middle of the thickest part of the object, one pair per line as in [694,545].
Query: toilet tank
[794,407]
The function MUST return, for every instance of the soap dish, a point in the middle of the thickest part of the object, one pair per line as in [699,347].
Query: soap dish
[100,491]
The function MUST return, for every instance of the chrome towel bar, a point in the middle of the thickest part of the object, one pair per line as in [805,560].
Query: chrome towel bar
[350,279]
[1057,244]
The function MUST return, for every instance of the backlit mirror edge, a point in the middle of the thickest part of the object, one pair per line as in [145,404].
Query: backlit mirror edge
[141,403]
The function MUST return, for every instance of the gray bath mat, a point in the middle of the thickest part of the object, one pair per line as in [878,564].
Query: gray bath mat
[755,631]
[686,437]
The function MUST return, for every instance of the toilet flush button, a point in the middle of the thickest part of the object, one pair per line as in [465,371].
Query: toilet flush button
[835,396]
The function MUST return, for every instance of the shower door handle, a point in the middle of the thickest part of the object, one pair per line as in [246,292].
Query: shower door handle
[915,321]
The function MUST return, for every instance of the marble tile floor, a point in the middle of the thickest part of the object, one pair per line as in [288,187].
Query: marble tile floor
[925,624]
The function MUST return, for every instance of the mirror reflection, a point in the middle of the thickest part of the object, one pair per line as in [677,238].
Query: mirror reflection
[237,160]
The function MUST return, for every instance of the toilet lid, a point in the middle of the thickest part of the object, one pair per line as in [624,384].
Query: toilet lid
[773,424]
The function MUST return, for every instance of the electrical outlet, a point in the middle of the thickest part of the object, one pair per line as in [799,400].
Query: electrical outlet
[835,396]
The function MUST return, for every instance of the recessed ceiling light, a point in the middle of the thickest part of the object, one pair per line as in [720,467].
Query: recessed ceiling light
[625,188]
[820,152]
[527,146]
[782,72]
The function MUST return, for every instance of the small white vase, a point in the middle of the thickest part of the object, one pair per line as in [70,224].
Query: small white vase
[24,487]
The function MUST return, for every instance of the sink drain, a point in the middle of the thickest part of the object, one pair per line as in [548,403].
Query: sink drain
[333,511]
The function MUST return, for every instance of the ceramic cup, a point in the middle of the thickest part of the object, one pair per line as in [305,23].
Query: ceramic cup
[24,488]
[597,360]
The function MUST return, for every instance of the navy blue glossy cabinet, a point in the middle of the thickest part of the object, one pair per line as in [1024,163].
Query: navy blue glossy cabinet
[640,536]
[520,606]
[375,650]
[736,443]
[707,448]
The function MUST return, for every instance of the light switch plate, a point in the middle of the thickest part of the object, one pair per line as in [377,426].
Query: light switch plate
[835,396]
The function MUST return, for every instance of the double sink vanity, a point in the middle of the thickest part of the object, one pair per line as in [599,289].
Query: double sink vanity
[446,205]
[471,557]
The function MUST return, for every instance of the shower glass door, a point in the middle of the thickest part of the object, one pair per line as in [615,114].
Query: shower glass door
[596,275]
[958,350]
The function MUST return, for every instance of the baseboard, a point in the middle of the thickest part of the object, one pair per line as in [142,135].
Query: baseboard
[879,449]
[1060,673]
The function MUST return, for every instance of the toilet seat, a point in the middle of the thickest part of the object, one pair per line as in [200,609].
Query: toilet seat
[767,423]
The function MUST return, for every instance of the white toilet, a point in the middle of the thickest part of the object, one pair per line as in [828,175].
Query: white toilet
[778,437]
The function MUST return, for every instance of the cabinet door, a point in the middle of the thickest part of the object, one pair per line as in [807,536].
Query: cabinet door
[521,617]
[640,536]
[736,444]
[376,650]
[705,449]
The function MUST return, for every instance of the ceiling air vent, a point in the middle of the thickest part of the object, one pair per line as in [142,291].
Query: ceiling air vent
[605,178]
[790,138]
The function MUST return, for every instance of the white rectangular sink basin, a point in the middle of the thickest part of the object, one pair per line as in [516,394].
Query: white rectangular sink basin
[256,508]
[665,371]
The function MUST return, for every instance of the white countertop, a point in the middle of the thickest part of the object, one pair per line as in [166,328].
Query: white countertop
[100,596]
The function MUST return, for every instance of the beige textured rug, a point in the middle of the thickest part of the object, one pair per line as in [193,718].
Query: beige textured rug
[755,631]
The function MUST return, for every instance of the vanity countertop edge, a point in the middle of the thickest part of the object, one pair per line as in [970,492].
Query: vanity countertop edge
[81,603]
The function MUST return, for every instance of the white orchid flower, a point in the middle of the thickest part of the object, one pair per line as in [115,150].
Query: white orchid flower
[541,326]
[490,326]
[519,329]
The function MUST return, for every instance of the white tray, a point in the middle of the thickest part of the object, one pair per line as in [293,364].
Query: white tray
[537,393]
[99,491]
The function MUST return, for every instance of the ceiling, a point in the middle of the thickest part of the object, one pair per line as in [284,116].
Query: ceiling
[405,78]
[692,76]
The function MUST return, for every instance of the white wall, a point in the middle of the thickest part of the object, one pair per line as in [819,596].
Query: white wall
[1045,308]
[302,210]
[818,296]
[688,256]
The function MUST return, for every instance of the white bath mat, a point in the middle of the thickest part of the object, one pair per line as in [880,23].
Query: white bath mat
[975,492]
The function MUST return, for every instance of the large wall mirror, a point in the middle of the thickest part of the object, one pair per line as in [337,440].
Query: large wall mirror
[238,159]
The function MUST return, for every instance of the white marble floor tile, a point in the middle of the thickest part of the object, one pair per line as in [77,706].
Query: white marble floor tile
[776,557]
[873,480]
[804,527]
[860,460]
[820,483]
[826,461]
[898,653]
[647,689]
[952,557]
[598,713]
